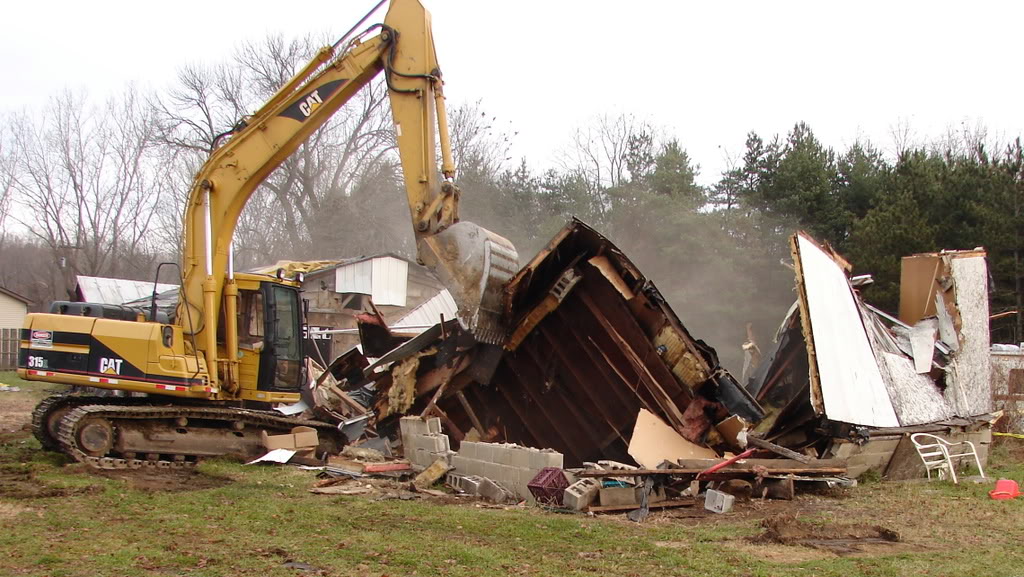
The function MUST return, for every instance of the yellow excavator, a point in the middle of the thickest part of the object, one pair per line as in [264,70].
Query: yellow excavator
[234,344]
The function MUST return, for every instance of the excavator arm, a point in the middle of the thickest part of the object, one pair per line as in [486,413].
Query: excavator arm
[471,262]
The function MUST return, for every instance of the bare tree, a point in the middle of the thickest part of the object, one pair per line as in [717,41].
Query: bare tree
[480,144]
[7,160]
[85,186]
[299,209]
[600,151]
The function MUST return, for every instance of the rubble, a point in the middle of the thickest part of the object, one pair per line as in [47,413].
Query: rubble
[718,502]
[592,341]
[597,372]
[846,380]
[431,474]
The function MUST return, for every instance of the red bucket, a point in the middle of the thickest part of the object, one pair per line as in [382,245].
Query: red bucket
[1005,489]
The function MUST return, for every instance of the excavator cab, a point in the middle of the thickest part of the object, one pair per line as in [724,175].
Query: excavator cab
[270,330]
[281,366]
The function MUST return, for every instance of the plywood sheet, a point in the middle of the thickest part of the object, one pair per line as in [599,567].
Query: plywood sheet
[917,286]
[851,383]
[654,441]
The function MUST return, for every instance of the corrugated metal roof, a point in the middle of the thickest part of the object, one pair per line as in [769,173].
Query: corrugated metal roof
[115,291]
[429,312]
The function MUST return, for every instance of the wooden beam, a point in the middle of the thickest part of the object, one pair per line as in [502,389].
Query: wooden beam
[665,402]
[470,413]
[766,463]
[448,373]
[778,450]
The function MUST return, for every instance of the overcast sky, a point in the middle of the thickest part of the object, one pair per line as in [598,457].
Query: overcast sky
[706,72]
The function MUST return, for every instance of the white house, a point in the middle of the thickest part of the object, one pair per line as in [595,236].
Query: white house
[13,308]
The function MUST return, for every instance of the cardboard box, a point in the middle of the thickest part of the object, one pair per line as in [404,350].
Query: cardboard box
[300,439]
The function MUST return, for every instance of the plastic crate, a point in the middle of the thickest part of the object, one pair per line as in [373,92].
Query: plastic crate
[548,487]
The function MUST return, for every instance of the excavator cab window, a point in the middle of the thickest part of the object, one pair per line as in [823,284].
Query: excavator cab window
[250,320]
[281,361]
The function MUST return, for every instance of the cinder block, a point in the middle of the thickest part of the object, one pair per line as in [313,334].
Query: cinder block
[445,456]
[509,476]
[494,492]
[466,483]
[433,426]
[413,426]
[581,494]
[523,478]
[421,457]
[425,443]
[546,458]
[619,496]
[718,501]
[485,451]
[491,470]
[466,466]
[616,466]
[519,457]
[432,443]
[469,450]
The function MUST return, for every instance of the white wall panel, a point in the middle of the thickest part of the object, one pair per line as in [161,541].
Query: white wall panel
[354,278]
[390,281]
[851,384]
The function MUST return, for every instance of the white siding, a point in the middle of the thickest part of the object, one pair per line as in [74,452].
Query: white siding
[12,312]
[429,312]
[851,382]
[354,278]
[390,281]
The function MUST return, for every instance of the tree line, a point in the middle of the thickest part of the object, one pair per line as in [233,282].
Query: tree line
[99,189]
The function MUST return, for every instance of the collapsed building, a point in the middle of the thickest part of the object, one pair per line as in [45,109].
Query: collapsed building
[598,372]
[592,342]
[846,380]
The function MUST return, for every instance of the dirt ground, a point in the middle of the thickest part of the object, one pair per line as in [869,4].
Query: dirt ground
[15,413]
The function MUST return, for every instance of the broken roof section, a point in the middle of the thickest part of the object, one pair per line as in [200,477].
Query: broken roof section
[839,359]
[592,342]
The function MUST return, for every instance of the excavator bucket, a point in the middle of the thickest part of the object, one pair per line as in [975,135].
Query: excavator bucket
[474,264]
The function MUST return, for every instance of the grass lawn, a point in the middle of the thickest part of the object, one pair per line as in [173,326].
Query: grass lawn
[228,519]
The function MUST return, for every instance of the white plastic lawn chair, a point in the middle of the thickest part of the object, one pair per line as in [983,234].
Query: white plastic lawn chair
[937,454]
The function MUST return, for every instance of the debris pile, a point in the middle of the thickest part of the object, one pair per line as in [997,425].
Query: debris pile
[846,380]
[600,400]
